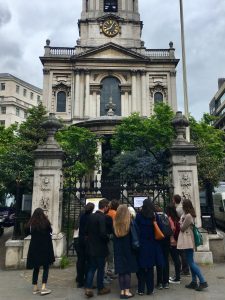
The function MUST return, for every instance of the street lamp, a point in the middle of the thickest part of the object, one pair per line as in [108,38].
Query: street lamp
[186,108]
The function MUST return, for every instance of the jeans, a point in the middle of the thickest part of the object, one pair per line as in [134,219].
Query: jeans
[184,264]
[145,276]
[36,273]
[95,263]
[195,270]
[174,252]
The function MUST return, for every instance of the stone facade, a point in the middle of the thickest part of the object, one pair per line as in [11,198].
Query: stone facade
[16,96]
[77,74]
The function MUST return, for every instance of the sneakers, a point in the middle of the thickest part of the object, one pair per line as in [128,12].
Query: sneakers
[201,286]
[159,286]
[174,280]
[193,285]
[104,291]
[45,292]
[166,286]
[35,292]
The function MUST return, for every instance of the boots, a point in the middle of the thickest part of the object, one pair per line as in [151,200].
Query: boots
[89,293]
[202,286]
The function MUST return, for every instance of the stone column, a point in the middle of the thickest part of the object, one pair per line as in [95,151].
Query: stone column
[143,94]
[48,184]
[134,91]
[77,95]
[87,94]
[184,178]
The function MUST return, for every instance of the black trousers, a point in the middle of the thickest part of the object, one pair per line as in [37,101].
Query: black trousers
[82,262]
[145,277]
[163,272]
[44,276]
[174,252]
[184,265]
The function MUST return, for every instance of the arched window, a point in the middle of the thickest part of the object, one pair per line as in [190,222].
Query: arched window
[110,89]
[158,97]
[110,5]
[61,102]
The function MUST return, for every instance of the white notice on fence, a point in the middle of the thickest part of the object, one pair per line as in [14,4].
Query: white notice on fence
[95,201]
[138,201]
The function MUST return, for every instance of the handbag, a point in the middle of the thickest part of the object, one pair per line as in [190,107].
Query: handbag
[157,231]
[197,236]
[135,243]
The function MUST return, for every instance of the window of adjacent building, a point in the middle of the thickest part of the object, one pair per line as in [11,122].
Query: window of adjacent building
[2,86]
[1,98]
[3,110]
[24,92]
[61,102]
[110,91]
[38,99]
[110,5]
[158,97]
[17,112]
[2,123]
[17,89]
[31,96]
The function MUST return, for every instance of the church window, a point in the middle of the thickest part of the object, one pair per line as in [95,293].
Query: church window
[158,97]
[61,102]
[110,5]
[110,92]
[86,5]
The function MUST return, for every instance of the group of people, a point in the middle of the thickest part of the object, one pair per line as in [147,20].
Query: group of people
[117,241]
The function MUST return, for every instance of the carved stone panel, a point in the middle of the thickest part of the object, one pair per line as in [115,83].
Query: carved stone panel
[186,184]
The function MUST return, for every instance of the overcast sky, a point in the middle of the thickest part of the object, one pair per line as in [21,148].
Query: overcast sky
[26,24]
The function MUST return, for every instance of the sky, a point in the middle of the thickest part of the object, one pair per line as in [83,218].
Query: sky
[26,24]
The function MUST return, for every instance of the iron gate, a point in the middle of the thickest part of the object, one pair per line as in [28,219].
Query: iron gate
[75,197]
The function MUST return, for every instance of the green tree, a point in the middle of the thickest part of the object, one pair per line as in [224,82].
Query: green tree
[17,144]
[142,142]
[211,145]
[80,146]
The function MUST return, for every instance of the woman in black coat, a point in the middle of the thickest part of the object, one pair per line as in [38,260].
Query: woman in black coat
[124,256]
[40,251]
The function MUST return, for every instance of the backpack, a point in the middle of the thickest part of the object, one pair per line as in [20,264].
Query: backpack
[165,225]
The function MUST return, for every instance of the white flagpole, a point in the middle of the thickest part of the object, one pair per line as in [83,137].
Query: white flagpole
[186,108]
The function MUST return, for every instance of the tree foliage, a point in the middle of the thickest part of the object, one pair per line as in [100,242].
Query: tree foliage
[80,146]
[211,145]
[142,142]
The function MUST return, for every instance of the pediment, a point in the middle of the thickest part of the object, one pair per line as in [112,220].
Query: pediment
[111,51]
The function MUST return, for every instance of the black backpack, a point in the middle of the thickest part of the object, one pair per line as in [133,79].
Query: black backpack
[165,225]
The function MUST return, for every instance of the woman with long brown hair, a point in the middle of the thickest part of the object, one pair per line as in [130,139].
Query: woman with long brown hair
[40,251]
[124,255]
[186,243]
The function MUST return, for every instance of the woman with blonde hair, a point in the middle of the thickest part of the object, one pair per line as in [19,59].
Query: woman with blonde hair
[124,255]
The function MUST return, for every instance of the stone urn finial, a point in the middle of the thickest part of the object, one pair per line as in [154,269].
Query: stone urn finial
[51,125]
[180,123]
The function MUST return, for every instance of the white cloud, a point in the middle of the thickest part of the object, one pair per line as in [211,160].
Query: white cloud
[25,25]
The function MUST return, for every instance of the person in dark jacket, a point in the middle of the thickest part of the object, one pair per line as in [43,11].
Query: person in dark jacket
[150,253]
[40,251]
[124,256]
[81,248]
[97,248]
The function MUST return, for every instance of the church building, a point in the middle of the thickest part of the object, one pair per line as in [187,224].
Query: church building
[109,74]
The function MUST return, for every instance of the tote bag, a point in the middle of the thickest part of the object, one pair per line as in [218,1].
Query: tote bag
[197,236]
[157,232]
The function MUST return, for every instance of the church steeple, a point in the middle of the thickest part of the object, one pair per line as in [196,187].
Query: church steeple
[121,15]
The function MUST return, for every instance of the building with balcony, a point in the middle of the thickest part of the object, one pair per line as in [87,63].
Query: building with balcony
[217,105]
[109,71]
[16,96]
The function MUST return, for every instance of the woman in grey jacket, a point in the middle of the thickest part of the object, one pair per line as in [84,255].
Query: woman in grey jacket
[186,243]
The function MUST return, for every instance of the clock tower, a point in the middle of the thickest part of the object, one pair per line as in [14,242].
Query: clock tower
[104,21]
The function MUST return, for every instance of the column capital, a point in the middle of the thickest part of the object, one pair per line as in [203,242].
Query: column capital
[46,71]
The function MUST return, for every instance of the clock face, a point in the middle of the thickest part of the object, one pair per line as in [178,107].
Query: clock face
[110,28]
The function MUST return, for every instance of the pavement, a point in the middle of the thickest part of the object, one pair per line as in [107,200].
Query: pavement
[17,284]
